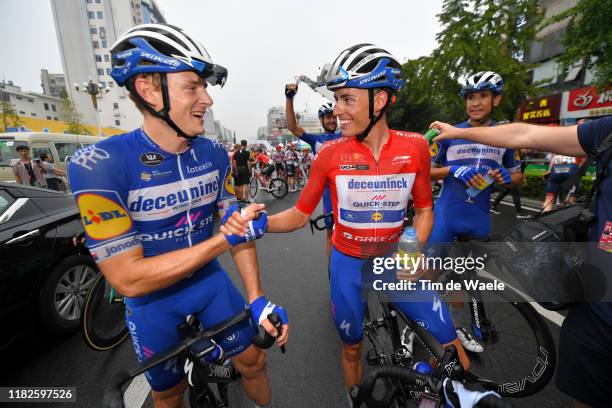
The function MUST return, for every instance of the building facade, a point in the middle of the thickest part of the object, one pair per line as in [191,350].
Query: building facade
[52,84]
[31,104]
[86,30]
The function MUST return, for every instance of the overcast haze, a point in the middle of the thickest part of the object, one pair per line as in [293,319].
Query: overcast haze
[264,44]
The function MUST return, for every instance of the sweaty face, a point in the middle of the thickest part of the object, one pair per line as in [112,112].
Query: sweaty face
[188,101]
[329,122]
[479,105]
[352,110]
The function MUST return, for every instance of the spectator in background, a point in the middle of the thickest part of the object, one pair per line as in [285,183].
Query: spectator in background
[515,190]
[51,173]
[560,169]
[242,175]
[27,171]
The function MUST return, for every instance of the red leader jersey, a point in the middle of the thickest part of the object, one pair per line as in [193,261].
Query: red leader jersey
[369,197]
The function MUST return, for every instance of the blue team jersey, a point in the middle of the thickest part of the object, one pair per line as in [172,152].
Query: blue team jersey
[316,140]
[590,135]
[463,152]
[131,193]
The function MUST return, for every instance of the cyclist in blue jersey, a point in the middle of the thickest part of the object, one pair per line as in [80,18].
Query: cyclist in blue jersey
[315,140]
[147,200]
[462,164]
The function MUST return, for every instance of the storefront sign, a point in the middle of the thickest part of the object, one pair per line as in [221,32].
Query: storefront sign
[541,110]
[586,102]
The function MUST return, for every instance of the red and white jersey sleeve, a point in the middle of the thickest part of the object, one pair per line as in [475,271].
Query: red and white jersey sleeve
[369,196]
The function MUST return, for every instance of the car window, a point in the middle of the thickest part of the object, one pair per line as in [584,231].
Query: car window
[38,150]
[5,201]
[7,152]
[65,149]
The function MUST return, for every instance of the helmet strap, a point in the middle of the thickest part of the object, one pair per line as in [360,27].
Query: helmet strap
[373,118]
[164,112]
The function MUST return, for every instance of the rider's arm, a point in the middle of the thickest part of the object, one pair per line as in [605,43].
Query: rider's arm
[245,258]
[562,139]
[288,220]
[292,125]
[421,194]
[439,169]
[439,173]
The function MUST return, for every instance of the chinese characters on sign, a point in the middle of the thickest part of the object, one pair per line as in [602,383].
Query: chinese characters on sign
[541,110]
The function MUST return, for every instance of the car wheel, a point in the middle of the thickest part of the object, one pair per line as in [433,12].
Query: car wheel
[63,293]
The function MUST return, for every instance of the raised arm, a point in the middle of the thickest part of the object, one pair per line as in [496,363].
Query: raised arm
[292,125]
[562,140]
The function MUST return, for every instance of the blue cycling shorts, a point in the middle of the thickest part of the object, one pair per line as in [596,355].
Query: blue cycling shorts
[348,300]
[208,294]
[453,220]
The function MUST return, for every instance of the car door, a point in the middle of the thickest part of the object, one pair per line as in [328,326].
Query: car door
[26,239]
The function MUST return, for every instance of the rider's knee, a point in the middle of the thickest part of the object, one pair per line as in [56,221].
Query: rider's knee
[352,352]
[171,398]
[252,363]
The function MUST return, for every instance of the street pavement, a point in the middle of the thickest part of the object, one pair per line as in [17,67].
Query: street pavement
[294,275]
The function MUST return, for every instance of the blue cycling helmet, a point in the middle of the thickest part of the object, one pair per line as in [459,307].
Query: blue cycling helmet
[163,49]
[365,66]
[483,81]
[325,109]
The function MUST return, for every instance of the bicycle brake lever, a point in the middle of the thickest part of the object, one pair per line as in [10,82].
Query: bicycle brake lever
[276,322]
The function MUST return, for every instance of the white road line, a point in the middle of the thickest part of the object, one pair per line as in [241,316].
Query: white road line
[137,392]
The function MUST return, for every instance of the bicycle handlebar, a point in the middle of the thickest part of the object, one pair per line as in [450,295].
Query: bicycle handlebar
[362,393]
[113,396]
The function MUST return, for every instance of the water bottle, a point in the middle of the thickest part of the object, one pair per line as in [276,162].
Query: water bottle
[408,247]
[474,191]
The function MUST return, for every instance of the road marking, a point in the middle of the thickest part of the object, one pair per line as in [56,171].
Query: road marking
[522,206]
[137,392]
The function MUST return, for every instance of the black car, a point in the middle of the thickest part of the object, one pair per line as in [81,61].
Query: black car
[41,270]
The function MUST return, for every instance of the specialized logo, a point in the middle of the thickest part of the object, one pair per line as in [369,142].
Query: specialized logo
[88,156]
[437,307]
[372,78]
[151,159]
[346,326]
[422,323]
[159,58]
[399,160]
[377,216]
[102,218]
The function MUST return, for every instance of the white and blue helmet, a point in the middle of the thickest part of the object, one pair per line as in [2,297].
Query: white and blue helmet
[483,81]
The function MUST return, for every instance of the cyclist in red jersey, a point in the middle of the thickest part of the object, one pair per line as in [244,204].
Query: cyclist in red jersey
[371,172]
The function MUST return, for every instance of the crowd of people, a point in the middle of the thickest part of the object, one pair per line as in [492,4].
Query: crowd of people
[366,165]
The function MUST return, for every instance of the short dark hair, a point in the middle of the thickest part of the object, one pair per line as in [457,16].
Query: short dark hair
[22,147]
[44,156]
[243,142]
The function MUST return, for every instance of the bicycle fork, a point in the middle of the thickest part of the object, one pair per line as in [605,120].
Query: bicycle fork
[482,328]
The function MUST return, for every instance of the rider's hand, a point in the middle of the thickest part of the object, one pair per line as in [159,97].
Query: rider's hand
[291,90]
[414,270]
[261,308]
[467,175]
[447,131]
[243,226]
[501,175]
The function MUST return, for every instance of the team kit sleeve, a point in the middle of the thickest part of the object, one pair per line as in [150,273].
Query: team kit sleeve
[437,152]
[511,161]
[310,139]
[421,190]
[312,193]
[226,196]
[100,189]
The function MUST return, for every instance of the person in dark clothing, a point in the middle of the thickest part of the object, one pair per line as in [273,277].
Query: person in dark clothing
[241,162]
[516,194]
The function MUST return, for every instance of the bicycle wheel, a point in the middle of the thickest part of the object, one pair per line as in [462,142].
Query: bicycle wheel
[278,188]
[103,318]
[253,187]
[519,355]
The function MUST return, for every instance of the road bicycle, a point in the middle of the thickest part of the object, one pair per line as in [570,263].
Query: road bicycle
[276,186]
[103,318]
[194,347]
[505,327]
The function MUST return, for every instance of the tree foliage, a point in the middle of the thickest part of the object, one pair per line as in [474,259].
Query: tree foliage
[475,35]
[72,117]
[10,117]
[588,38]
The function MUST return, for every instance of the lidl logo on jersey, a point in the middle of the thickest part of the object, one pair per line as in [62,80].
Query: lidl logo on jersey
[102,217]
[229,184]
[162,201]
[434,149]
[474,151]
[377,216]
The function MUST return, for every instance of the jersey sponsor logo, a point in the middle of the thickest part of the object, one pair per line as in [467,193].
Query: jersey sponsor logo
[151,159]
[159,202]
[434,149]
[361,238]
[197,169]
[377,216]
[350,157]
[102,218]
[375,204]
[148,176]
[345,326]
[399,160]
[372,78]
[228,184]
[474,151]
[375,183]
[354,167]
[88,156]
[423,323]
[109,250]
[158,58]
[182,231]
